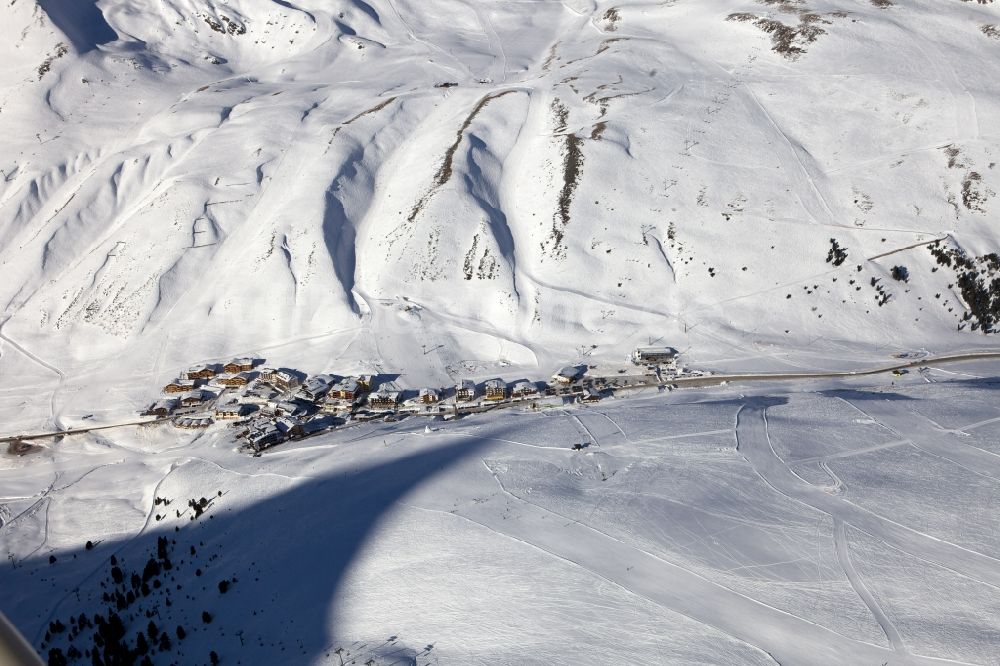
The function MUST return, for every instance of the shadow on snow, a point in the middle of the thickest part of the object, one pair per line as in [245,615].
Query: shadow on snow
[81,21]
[288,554]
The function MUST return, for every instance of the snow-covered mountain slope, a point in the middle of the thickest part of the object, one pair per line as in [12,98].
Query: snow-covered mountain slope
[441,187]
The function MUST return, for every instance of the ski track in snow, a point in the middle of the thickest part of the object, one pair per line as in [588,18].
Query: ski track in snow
[755,445]
[844,556]
[53,415]
[970,458]
[585,542]
[690,594]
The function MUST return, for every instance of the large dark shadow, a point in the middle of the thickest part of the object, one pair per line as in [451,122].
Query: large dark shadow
[985,383]
[288,555]
[486,199]
[860,394]
[762,402]
[338,231]
[81,21]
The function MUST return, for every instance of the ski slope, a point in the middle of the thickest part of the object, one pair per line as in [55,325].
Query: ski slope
[699,526]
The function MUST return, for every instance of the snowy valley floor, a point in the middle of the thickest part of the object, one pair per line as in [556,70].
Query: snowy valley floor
[809,522]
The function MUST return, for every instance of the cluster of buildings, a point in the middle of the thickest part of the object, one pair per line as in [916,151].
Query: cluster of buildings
[270,406]
[466,392]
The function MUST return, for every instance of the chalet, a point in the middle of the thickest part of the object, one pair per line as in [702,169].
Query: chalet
[230,410]
[163,407]
[366,382]
[238,365]
[179,386]
[311,427]
[384,400]
[194,398]
[429,396]
[289,408]
[200,372]
[347,389]
[523,389]
[285,425]
[267,375]
[466,390]
[653,355]
[264,437]
[192,422]
[257,395]
[234,381]
[568,375]
[252,425]
[317,387]
[496,389]
[332,405]
[285,381]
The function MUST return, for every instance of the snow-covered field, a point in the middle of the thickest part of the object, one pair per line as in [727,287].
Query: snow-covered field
[700,526]
[434,190]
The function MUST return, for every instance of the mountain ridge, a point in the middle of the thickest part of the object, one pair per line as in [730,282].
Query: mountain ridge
[513,186]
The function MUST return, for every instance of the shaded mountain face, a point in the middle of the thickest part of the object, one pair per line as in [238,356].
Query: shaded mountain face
[81,21]
[452,187]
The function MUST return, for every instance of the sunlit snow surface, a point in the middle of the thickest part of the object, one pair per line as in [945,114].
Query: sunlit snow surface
[497,184]
[809,523]
[448,189]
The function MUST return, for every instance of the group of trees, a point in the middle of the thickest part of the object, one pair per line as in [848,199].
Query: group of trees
[116,635]
[979,283]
